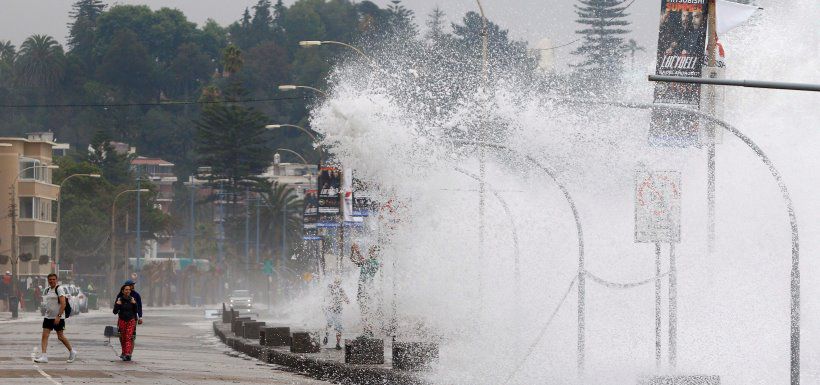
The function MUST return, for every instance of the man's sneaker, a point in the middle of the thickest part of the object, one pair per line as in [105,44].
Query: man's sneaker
[128,358]
[122,356]
[43,359]
[71,356]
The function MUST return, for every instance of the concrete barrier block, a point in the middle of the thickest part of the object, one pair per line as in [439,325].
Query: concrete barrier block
[364,351]
[276,336]
[236,325]
[304,342]
[414,355]
[680,380]
[250,330]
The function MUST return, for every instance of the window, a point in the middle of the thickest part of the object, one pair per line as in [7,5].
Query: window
[33,169]
[35,208]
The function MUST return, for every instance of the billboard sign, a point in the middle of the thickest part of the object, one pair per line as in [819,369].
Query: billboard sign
[657,206]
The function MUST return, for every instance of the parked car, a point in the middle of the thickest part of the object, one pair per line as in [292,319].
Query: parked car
[83,301]
[72,297]
[241,301]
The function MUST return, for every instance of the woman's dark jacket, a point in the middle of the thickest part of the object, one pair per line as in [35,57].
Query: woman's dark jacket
[127,311]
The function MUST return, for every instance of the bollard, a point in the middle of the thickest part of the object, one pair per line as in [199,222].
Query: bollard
[250,330]
[304,342]
[226,315]
[13,306]
[236,325]
[414,355]
[276,336]
[364,351]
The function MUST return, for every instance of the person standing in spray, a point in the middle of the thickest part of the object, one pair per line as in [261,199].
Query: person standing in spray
[126,309]
[368,267]
[336,297]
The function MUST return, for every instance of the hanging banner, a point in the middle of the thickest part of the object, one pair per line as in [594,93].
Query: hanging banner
[311,214]
[347,194]
[329,181]
[681,49]
[681,52]
[657,206]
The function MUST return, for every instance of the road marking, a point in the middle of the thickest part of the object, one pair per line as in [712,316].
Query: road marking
[44,374]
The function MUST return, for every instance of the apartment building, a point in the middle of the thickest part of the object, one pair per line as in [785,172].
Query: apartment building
[26,179]
[161,174]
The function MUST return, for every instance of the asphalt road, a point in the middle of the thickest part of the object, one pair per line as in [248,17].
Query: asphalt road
[173,346]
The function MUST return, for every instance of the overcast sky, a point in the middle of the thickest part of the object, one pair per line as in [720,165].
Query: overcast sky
[531,20]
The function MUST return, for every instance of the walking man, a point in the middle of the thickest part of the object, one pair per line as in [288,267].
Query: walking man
[55,298]
[368,267]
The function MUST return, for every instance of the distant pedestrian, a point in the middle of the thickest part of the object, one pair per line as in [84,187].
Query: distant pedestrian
[136,296]
[55,299]
[333,310]
[368,267]
[5,291]
[126,309]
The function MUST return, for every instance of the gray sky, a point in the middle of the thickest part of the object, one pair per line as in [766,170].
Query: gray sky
[531,20]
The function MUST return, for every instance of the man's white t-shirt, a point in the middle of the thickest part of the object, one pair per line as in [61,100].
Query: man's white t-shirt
[52,301]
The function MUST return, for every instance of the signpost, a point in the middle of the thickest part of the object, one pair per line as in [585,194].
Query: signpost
[657,219]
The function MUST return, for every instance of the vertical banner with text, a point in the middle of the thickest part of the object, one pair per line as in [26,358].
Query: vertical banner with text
[681,52]
[330,180]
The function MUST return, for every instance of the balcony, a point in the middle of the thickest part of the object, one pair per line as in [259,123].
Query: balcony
[36,228]
[32,188]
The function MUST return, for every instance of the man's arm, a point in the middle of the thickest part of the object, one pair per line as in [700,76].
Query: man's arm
[61,299]
[139,305]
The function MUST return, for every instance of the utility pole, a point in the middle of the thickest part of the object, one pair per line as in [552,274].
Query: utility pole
[220,237]
[657,304]
[192,223]
[257,231]
[247,235]
[138,249]
[710,129]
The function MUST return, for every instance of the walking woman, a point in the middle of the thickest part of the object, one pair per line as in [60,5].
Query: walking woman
[126,307]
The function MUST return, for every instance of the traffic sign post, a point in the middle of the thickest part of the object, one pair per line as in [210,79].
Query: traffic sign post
[657,220]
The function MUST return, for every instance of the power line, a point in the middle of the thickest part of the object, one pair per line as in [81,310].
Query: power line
[169,103]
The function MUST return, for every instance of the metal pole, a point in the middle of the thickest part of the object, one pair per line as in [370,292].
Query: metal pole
[57,232]
[138,267]
[247,235]
[220,238]
[482,161]
[657,304]
[257,232]
[15,261]
[795,261]
[673,308]
[192,224]
[739,83]
[710,132]
[113,271]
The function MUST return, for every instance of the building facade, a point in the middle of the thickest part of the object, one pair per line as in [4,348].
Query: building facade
[28,200]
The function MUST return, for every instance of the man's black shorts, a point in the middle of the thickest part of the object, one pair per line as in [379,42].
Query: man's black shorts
[49,324]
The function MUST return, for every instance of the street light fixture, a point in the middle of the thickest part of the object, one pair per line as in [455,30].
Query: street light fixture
[113,236]
[291,87]
[306,131]
[314,43]
[59,204]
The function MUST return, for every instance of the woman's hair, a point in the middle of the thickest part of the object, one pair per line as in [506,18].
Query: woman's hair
[122,289]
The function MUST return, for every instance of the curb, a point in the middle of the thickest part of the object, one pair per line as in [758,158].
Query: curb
[316,368]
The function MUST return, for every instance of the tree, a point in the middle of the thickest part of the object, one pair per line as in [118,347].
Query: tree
[82,31]
[435,26]
[601,49]
[7,55]
[127,65]
[401,21]
[279,203]
[632,46]
[113,166]
[41,62]
[232,140]
[262,22]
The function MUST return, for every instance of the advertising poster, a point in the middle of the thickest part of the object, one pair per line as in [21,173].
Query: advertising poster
[681,49]
[311,213]
[681,52]
[329,205]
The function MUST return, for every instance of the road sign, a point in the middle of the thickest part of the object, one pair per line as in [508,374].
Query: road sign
[657,206]
[267,268]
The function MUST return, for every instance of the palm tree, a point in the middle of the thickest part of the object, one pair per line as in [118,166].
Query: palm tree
[279,203]
[41,62]
[7,54]
[232,60]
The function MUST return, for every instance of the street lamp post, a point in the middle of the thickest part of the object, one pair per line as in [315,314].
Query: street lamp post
[15,244]
[314,43]
[291,87]
[112,269]
[304,130]
[59,210]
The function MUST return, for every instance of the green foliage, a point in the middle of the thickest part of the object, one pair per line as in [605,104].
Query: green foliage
[232,141]
[602,48]
[40,62]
